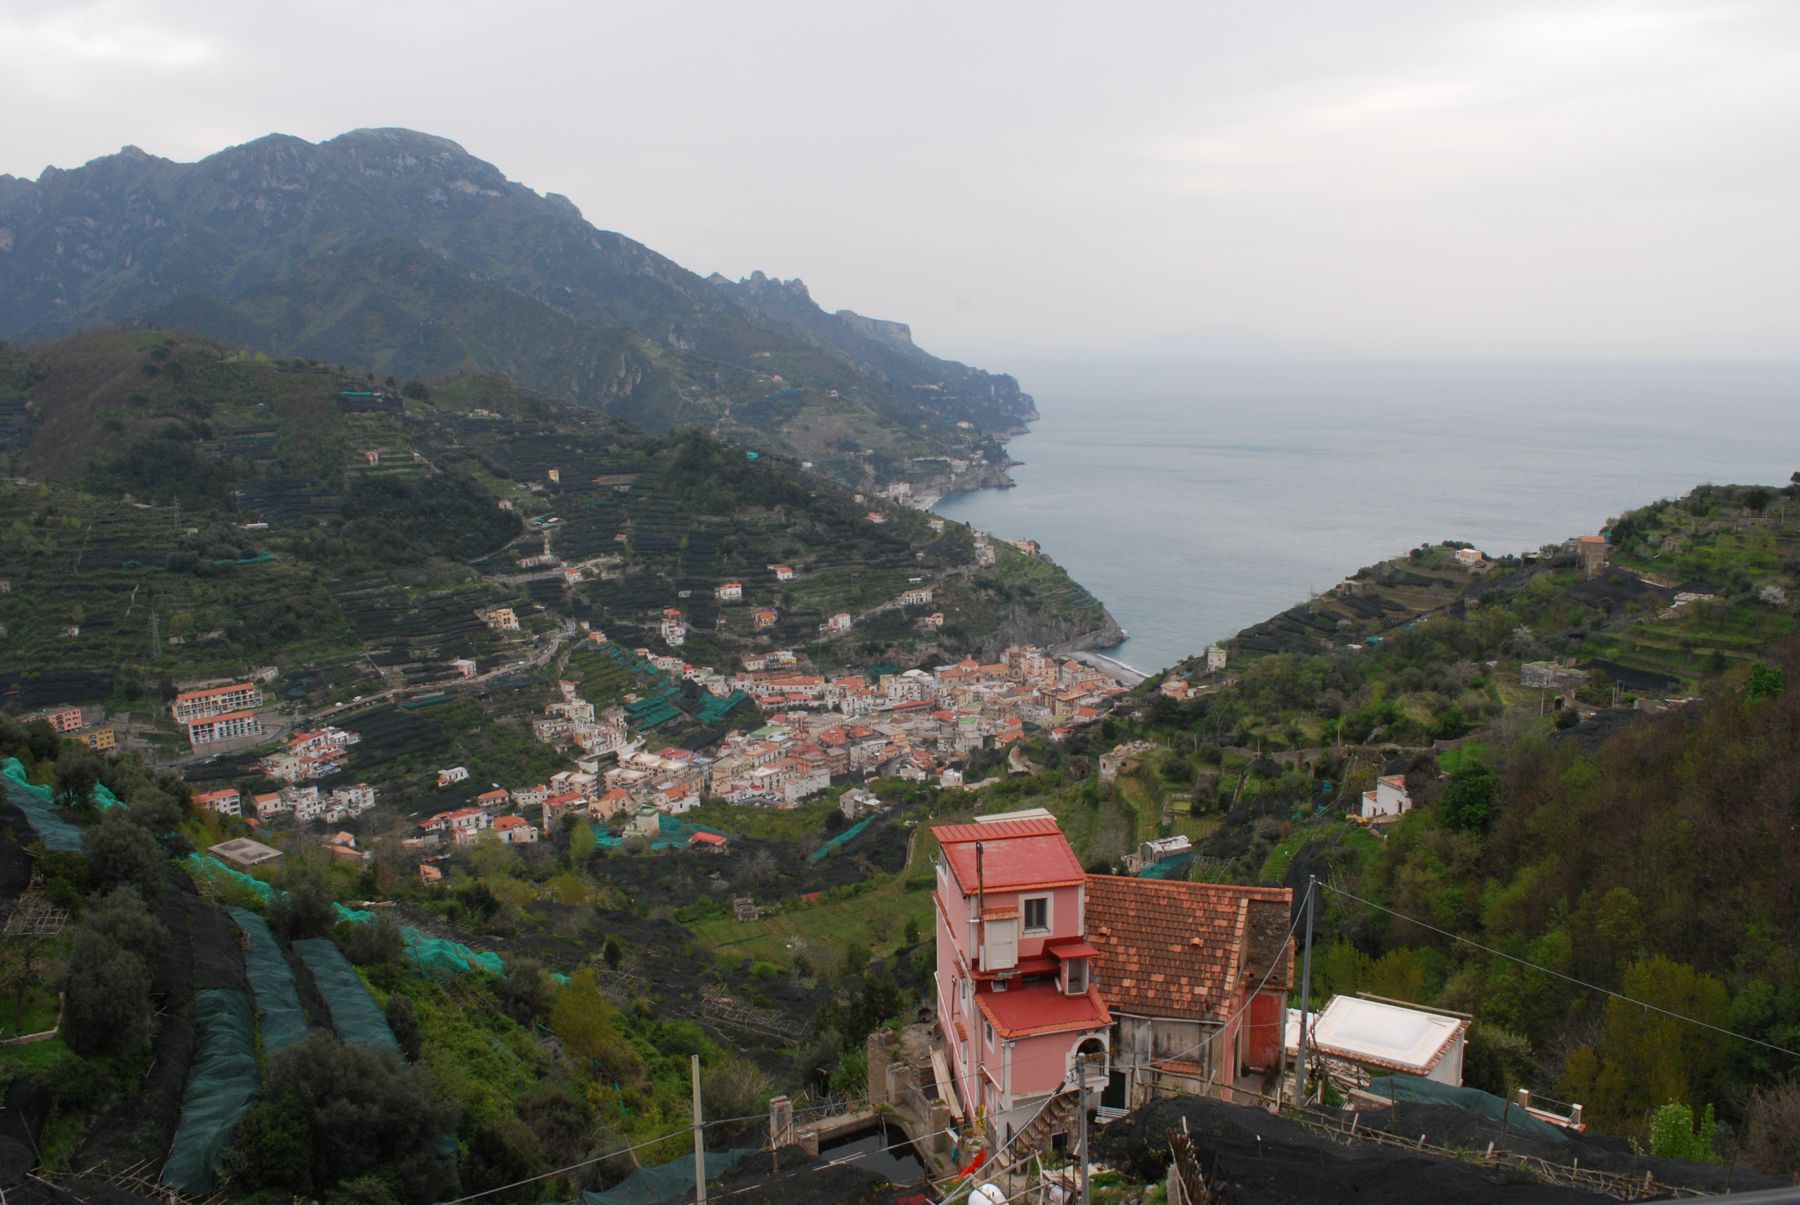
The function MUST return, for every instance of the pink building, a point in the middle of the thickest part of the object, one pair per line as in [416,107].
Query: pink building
[1016,999]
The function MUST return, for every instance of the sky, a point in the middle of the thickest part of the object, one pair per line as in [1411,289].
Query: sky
[1389,177]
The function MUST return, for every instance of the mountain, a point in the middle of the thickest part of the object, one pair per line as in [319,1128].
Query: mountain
[175,507]
[400,253]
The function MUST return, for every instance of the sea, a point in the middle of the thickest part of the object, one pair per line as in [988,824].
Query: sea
[1198,498]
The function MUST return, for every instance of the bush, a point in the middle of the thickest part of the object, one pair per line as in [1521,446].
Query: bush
[1673,1135]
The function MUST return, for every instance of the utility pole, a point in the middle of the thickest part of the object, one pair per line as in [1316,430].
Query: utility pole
[1305,1000]
[1081,1112]
[699,1140]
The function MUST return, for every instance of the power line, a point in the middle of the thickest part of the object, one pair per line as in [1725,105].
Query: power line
[1581,983]
[488,1192]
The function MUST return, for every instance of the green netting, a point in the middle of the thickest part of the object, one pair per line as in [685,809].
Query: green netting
[1474,1100]
[675,834]
[272,982]
[665,1181]
[715,708]
[849,834]
[353,1012]
[433,954]
[1169,868]
[221,1084]
[443,957]
[56,831]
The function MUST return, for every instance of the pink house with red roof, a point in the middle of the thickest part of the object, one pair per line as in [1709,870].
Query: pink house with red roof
[1016,1000]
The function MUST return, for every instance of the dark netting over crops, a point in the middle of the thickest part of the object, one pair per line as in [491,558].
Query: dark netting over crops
[1483,1109]
[1448,1126]
[353,1012]
[15,864]
[220,1087]
[666,1181]
[801,1179]
[137,1129]
[272,980]
[1260,1159]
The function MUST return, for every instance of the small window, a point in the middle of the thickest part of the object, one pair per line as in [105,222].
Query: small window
[1037,914]
[987,1031]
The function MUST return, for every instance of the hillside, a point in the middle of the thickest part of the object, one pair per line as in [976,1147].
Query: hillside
[1599,760]
[398,252]
[1643,850]
[179,510]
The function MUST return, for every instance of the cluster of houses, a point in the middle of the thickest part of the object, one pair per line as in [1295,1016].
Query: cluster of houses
[310,755]
[72,722]
[304,803]
[916,725]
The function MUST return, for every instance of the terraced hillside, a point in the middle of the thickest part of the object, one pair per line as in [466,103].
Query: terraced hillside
[177,510]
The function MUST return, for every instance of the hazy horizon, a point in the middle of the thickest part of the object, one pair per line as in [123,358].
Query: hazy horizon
[1591,178]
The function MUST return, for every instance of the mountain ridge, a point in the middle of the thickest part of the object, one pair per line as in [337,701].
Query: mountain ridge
[137,239]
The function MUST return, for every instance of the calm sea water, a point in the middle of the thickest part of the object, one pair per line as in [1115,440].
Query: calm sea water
[1198,499]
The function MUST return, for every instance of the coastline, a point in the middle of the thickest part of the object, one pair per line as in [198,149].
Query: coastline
[1126,675]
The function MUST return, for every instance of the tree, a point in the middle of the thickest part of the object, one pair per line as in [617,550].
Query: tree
[1772,1127]
[378,942]
[351,1112]
[121,852]
[588,1025]
[527,993]
[404,1021]
[122,917]
[77,774]
[302,908]
[1468,801]
[1650,1056]
[582,841]
[1766,681]
[106,997]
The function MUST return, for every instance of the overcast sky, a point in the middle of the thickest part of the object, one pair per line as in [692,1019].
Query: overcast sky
[1387,176]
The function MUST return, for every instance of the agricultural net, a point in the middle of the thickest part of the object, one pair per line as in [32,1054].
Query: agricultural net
[272,982]
[1169,868]
[58,834]
[353,1012]
[53,827]
[434,955]
[675,834]
[1413,1088]
[665,1181]
[843,838]
[220,1086]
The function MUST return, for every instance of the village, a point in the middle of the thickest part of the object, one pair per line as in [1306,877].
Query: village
[914,725]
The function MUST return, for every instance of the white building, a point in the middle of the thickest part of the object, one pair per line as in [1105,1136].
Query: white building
[1388,801]
[453,774]
[1360,1039]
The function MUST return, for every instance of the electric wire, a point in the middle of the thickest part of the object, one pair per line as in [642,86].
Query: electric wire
[1581,983]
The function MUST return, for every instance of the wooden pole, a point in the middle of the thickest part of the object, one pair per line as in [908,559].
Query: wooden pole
[1305,1001]
[699,1140]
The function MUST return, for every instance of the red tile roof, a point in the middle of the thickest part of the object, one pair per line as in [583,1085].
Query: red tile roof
[1169,949]
[1041,1008]
[1017,855]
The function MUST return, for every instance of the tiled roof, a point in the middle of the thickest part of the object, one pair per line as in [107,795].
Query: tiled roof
[1169,949]
[1017,855]
[1041,1008]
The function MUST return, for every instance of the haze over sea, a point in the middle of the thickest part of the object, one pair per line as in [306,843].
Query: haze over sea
[1198,498]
